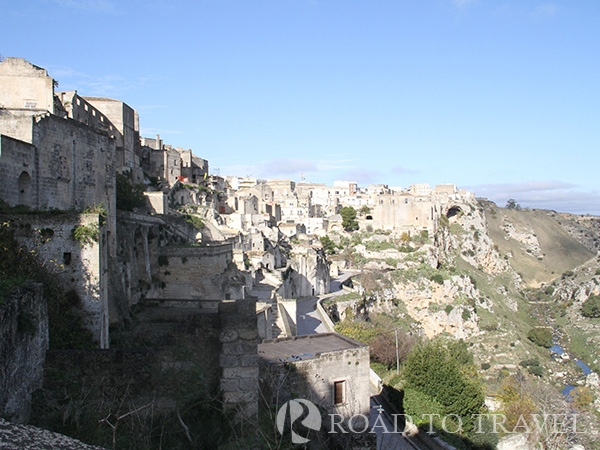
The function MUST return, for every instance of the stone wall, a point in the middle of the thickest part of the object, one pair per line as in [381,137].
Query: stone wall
[18,172]
[81,265]
[239,357]
[77,165]
[313,377]
[23,345]
[405,213]
[174,358]
[202,272]
[24,86]
[307,274]
[126,121]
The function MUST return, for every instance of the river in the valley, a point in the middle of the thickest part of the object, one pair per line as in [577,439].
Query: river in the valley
[558,350]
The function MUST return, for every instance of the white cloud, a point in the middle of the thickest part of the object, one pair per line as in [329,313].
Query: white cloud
[548,194]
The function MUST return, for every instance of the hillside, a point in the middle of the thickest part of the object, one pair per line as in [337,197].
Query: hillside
[490,276]
[538,243]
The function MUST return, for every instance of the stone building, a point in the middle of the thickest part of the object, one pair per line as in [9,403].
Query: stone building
[50,160]
[328,369]
[194,168]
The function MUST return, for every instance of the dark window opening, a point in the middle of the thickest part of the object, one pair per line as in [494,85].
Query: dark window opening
[338,392]
[66,259]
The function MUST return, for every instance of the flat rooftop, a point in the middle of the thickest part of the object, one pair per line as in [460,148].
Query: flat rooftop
[304,347]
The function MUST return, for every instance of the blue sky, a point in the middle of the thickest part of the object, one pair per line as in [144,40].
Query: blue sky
[499,97]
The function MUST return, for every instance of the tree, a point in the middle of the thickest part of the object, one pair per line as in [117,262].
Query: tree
[349,222]
[364,210]
[328,244]
[512,204]
[432,371]
[383,347]
[129,195]
[591,307]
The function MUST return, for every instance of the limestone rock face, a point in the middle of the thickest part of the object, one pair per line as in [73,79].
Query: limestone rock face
[477,246]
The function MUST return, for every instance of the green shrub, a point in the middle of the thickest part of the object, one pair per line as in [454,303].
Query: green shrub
[529,363]
[535,370]
[485,366]
[438,371]
[437,278]
[195,221]
[540,336]
[349,222]
[86,234]
[129,195]
[591,307]
[328,245]
[416,404]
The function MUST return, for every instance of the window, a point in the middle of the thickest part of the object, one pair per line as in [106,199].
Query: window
[339,392]
[66,259]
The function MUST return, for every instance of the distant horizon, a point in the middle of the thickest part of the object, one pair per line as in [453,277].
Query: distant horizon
[499,99]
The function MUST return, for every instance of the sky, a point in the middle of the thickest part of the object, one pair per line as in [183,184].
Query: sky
[501,98]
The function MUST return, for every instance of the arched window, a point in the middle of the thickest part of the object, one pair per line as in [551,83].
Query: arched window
[24,185]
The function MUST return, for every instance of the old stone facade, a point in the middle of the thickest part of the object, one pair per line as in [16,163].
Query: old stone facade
[73,247]
[330,370]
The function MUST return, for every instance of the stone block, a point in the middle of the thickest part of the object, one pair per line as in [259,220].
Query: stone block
[240,397]
[241,372]
[228,336]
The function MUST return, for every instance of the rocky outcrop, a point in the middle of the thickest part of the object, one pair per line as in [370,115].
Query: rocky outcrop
[27,437]
[476,245]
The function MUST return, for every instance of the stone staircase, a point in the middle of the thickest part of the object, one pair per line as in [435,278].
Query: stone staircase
[278,329]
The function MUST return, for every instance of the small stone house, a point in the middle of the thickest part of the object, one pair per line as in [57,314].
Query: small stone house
[329,369]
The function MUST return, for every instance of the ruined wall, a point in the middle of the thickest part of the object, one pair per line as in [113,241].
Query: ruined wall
[81,265]
[24,86]
[176,357]
[125,120]
[405,212]
[23,345]
[203,272]
[18,172]
[156,260]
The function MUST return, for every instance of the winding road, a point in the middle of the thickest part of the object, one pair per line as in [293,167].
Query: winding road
[310,321]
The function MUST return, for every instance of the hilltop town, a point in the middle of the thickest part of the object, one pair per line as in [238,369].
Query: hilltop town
[168,274]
